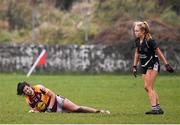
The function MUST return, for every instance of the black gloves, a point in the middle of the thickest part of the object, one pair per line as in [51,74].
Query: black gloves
[134,70]
[169,68]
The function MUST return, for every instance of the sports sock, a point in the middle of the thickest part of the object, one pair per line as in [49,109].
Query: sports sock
[155,107]
[158,106]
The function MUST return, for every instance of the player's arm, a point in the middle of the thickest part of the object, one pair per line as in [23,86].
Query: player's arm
[32,109]
[136,60]
[161,56]
[163,59]
[52,96]
[136,57]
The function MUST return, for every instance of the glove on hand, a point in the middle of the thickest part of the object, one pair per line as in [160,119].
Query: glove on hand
[134,70]
[169,68]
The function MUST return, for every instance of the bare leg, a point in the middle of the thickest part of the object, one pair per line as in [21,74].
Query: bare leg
[70,106]
[149,79]
[157,98]
[85,109]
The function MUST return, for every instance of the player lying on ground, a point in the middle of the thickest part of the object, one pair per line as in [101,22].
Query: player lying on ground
[41,99]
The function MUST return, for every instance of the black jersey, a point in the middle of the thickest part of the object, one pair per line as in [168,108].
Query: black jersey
[146,51]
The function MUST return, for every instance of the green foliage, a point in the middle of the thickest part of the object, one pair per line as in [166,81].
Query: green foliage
[170,16]
[136,9]
[18,14]
[5,36]
[56,26]
[123,95]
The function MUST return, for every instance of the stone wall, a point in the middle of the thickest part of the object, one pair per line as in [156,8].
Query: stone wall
[75,58]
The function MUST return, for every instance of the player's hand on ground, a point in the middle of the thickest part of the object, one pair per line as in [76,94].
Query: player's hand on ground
[134,70]
[169,68]
[33,111]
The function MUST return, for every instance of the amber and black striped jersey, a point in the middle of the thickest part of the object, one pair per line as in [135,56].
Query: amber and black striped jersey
[40,95]
[146,51]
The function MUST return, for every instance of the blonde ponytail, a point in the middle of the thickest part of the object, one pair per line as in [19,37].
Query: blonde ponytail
[147,31]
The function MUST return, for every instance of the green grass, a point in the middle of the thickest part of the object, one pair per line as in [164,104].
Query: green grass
[123,95]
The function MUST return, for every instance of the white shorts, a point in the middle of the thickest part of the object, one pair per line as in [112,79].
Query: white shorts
[60,103]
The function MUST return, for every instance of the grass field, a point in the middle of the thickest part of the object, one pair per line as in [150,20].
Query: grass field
[123,95]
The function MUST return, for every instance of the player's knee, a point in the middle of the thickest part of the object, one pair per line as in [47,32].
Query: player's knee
[81,110]
[75,109]
[147,88]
